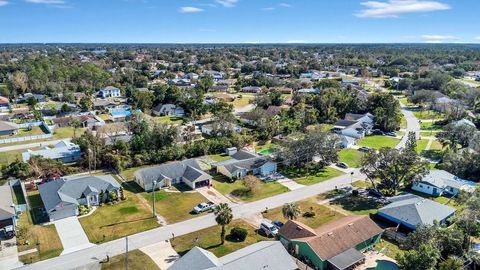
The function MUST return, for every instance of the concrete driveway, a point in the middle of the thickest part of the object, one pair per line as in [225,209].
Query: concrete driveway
[162,254]
[9,254]
[289,183]
[72,235]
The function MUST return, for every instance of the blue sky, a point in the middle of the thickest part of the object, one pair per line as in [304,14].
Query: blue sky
[240,21]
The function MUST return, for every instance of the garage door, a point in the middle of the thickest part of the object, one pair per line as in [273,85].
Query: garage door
[63,213]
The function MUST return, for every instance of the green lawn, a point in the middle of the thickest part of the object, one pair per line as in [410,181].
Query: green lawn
[323,214]
[351,157]
[170,120]
[44,238]
[430,126]
[428,114]
[310,176]
[219,157]
[10,156]
[436,145]
[128,174]
[209,239]
[175,206]
[241,102]
[421,145]
[377,142]
[67,132]
[118,220]
[137,260]
[358,205]
[389,248]
[238,190]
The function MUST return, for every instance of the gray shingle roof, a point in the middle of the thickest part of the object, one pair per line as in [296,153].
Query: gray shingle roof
[6,202]
[266,255]
[70,189]
[414,210]
[7,126]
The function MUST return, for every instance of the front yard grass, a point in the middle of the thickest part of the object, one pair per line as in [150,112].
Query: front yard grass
[238,190]
[358,205]
[169,120]
[137,260]
[175,206]
[428,114]
[377,142]
[110,222]
[241,102]
[8,157]
[421,145]
[352,157]
[323,214]
[209,239]
[430,126]
[310,176]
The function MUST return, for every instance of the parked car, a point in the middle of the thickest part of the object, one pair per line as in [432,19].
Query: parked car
[374,193]
[342,165]
[277,224]
[202,207]
[391,134]
[268,228]
[377,132]
[8,232]
[364,149]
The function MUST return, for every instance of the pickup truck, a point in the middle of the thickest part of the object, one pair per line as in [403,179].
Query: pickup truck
[202,207]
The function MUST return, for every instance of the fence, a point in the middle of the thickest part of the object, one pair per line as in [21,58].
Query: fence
[30,138]
[301,265]
[391,233]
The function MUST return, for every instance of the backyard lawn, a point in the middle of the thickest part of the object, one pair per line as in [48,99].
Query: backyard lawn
[238,190]
[241,102]
[170,120]
[428,114]
[110,222]
[323,214]
[175,206]
[44,238]
[310,176]
[219,157]
[389,248]
[209,239]
[352,157]
[10,156]
[137,260]
[430,126]
[67,132]
[377,142]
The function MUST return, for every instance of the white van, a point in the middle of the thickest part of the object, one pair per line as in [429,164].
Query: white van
[268,228]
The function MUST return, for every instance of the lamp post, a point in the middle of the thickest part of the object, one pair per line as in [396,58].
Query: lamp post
[351,178]
[154,187]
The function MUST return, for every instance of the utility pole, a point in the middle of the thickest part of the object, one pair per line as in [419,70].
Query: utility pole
[126,253]
[153,206]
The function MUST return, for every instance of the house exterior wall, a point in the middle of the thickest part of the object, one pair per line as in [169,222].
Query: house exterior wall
[224,171]
[63,212]
[427,189]
[268,168]
[352,133]
[397,221]
[304,250]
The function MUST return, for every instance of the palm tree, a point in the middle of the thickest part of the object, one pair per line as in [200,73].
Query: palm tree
[223,217]
[291,211]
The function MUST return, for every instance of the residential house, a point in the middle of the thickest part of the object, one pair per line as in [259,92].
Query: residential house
[312,75]
[309,91]
[79,95]
[64,151]
[355,125]
[103,105]
[83,120]
[168,110]
[191,76]
[180,82]
[109,91]
[464,122]
[335,245]
[4,102]
[7,207]
[410,211]
[225,82]
[218,88]
[263,255]
[216,75]
[210,128]
[62,198]
[188,172]
[8,128]
[244,162]
[440,182]
[251,89]
[225,97]
[121,113]
[347,141]
[38,97]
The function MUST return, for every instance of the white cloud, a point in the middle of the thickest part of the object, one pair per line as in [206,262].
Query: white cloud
[438,38]
[285,5]
[296,41]
[3,3]
[268,8]
[46,2]
[227,3]
[190,10]
[477,38]
[395,8]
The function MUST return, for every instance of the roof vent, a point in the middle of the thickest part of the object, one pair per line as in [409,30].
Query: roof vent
[330,233]
[299,228]
[350,224]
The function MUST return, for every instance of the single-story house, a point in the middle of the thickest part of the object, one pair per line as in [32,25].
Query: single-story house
[109,91]
[335,245]
[355,125]
[244,162]
[7,207]
[251,89]
[309,91]
[62,198]
[188,172]
[439,182]
[411,210]
[84,120]
[168,110]
[8,128]
[64,151]
[218,88]
[210,128]
[191,76]
[180,82]
[103,104]
[259,256]
[4,102]
[347,141]
[38,97]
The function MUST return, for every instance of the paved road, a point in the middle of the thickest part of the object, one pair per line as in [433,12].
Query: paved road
[31,145]
[412,126]
[93,255]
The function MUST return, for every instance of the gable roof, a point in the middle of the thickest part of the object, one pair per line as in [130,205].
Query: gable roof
[70,189]
[61,150]
[413,210]
[336,237]
[243,154]
[196,258]
[7,126]
[189,169]
[6,202]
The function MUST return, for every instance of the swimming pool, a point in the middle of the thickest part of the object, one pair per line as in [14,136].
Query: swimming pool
[385,265]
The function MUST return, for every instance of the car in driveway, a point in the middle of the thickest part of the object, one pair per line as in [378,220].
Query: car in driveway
[391,134]
[342,165]
[203,207]
[364,149]
[8,232]
[268,228]
[377,132]
[277,224]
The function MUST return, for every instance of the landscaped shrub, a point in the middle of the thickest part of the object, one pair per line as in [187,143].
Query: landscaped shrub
[238,234]
[355,193]
[83,210]
[309,214]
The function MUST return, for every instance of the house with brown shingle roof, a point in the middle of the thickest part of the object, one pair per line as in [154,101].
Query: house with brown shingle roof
[336,245]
